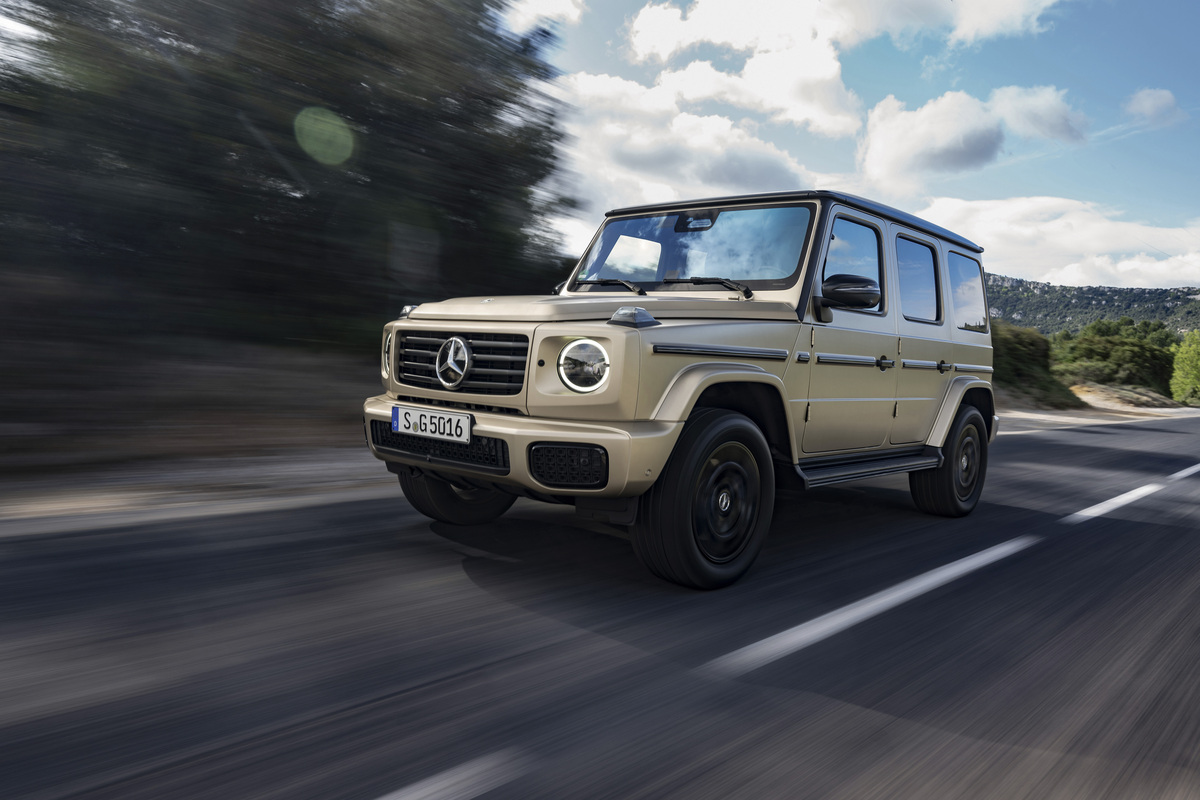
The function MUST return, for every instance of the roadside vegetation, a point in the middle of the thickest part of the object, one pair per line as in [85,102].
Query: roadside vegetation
[211,208]
[1021,358]
[1120,353]
[1185,382]
[1142,363]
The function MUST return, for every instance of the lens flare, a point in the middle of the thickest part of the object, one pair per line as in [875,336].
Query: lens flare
[324,135]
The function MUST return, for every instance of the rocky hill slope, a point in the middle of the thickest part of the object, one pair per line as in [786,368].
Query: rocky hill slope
[1051,308]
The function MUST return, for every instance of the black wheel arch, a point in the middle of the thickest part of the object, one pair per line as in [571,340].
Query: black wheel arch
[761,403]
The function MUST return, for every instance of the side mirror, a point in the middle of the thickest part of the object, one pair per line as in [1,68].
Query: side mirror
[850,291]
[558,289]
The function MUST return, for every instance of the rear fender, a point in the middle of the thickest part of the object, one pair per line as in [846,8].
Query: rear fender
[954,397]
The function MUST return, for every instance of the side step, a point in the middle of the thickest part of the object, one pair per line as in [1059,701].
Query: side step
[839,473]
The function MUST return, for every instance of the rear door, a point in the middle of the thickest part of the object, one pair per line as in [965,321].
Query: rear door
[926,349]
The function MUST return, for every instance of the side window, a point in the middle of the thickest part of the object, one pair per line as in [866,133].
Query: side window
[854,250]
[966,293]
[918,280]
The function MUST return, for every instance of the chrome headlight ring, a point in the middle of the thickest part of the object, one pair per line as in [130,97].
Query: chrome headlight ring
[388,338]
[583,366]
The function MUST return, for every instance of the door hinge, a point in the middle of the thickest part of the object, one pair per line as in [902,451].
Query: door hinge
[899,346]
[895,408]
[812,337]
[807,406]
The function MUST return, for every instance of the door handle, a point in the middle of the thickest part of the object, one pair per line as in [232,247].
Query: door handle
[884,363]
[944,367]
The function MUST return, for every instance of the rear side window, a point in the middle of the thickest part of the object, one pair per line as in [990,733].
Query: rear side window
[854,250]
[966,293]
[918,280]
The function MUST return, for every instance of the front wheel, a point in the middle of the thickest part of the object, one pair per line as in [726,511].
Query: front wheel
[446,503]
[953,489]
[704,521]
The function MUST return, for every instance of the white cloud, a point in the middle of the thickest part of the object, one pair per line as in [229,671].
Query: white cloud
[792,69]
[975,20]
[792,49]
[524,14]
[1154,107]
[1074,243]
[653,151]
[958,132]
[1039,112]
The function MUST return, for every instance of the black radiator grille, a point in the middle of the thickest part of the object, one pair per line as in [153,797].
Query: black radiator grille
[497,364]
[484,452]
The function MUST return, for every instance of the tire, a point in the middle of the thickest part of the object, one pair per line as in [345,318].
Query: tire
[704,521]
[953,489]
[446,503]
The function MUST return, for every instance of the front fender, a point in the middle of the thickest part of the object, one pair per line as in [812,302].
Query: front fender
[954,396]
[687,386]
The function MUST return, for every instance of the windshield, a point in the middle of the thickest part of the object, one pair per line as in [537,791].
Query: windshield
[760,247]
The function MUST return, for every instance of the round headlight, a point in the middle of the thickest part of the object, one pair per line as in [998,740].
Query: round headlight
[583,365]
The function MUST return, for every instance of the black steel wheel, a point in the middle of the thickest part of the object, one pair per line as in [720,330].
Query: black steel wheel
[445,502]
[704,521]
[953,489]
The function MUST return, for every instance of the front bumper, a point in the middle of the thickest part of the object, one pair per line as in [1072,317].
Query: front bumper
[637,451]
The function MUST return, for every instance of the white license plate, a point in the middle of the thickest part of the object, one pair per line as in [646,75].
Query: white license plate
[439,424]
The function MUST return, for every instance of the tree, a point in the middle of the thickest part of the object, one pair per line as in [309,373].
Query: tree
[255,166]
[1116,352]
[1185,381]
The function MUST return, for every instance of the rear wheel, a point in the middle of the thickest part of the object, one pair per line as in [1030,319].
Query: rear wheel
[447,503]
[953,489]
[704,521]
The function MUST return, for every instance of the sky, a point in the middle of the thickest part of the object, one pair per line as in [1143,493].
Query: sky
[1061,135]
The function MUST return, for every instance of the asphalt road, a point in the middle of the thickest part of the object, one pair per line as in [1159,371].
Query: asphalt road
[354,649]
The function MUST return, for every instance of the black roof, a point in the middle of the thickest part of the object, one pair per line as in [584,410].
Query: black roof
[870,206]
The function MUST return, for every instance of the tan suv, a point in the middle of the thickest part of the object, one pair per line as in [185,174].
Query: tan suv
[697,349]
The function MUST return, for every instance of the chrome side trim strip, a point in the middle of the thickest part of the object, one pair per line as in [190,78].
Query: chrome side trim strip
[912,364]
[972,368]
[724,351]
[802,356]
[845,360]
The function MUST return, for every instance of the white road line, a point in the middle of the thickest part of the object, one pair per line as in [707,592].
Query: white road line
[790,641]
[466,780]
[1184,473]
[1100,509]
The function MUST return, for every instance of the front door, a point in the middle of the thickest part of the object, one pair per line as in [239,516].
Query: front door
[852,379]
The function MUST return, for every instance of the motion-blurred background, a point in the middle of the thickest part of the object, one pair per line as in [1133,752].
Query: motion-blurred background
[210,208]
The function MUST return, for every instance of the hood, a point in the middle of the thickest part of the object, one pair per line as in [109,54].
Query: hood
[543,308]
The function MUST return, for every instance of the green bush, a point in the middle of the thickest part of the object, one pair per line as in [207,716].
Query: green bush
[1185,381]
[1085,372]
[1119,359]
[1021,357]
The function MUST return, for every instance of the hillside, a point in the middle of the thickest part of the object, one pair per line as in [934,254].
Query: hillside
[1050,308]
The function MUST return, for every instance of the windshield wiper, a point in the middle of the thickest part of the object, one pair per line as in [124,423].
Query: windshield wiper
[726,282]
[633,287]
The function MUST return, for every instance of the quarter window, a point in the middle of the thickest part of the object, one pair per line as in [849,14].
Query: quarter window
[854,250]
[966,292]
[918,280]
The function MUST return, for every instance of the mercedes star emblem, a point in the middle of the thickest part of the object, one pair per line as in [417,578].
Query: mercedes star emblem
[453,361]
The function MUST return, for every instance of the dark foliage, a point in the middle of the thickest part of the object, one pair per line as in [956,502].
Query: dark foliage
[1021,357]
[162,174]
[1121,352]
